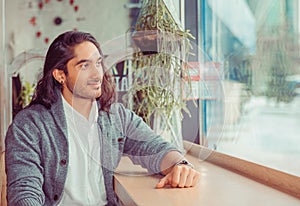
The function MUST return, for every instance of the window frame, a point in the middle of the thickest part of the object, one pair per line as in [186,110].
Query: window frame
[276,179]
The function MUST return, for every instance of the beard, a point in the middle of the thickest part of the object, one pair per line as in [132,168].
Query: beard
[89,91]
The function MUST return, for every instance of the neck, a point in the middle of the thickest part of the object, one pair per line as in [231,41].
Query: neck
[83,106]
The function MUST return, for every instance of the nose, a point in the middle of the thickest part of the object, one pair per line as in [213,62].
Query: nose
[97,71]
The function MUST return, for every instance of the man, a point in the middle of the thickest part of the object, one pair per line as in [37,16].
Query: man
[64,147]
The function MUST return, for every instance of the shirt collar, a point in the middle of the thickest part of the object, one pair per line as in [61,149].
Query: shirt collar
[76,116]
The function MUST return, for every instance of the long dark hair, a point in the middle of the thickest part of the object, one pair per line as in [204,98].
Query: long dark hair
[59,53]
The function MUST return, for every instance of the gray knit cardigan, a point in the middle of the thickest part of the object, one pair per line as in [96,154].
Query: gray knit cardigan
[37,151]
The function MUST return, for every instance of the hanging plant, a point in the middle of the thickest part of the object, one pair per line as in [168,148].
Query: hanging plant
[157,68]
[154,25]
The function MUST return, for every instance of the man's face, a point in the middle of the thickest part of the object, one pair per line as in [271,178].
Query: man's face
[85,72]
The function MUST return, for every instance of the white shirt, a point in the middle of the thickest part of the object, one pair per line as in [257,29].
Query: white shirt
[85,183]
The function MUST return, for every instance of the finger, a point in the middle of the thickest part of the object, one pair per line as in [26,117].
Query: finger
[176,176]
[190,179]
[196,179]
[164,181]
[183,176]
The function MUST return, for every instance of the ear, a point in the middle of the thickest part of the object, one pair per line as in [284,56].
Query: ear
[59,75]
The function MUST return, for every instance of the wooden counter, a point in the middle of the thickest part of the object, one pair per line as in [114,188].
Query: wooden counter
[218,186]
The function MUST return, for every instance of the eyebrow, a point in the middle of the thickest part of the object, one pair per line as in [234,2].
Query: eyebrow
[86,60]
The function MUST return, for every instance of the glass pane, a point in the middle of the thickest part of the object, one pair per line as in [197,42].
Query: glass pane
[257,43]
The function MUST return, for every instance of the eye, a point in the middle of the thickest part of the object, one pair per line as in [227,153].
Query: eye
[98,63]
[85,66]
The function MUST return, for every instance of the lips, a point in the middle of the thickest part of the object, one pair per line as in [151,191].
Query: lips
[95,83]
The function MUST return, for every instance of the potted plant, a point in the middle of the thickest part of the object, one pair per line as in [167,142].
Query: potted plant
[158,73]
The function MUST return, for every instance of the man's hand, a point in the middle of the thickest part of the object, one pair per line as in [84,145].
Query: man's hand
[180,176]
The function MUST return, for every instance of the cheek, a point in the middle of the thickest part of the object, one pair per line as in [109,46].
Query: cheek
[101,74]
[72,80]
[77,78]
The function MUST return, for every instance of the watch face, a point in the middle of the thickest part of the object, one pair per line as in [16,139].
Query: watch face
[184,162]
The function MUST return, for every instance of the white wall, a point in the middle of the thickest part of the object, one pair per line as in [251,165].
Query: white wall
[105,19]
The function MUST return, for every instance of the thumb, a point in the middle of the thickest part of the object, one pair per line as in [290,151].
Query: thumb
[162,182]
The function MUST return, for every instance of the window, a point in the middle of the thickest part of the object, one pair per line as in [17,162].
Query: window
[256,47]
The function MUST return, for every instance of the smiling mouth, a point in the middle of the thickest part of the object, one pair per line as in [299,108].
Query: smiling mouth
[95,84]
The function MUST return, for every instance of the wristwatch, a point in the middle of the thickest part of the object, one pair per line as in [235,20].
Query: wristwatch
[185,162]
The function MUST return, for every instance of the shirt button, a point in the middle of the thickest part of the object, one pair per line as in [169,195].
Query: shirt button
[55,198]
[63,162]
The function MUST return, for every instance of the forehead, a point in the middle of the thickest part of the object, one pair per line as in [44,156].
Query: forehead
[86,50]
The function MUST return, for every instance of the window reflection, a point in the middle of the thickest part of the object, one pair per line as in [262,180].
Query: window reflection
[257,42]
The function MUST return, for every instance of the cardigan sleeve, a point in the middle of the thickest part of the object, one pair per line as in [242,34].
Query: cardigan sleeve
[142,145]
[23,165]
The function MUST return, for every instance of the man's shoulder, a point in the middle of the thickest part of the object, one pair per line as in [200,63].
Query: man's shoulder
[32,112]
[117,106]
[117,112]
